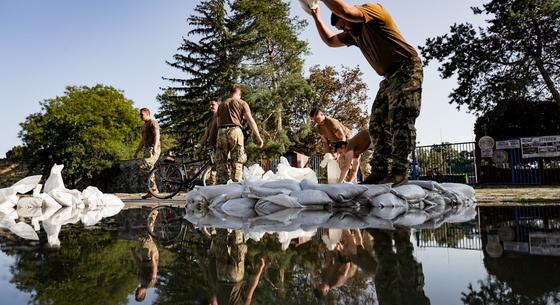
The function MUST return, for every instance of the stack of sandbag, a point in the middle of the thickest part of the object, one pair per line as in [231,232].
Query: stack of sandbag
[54,207]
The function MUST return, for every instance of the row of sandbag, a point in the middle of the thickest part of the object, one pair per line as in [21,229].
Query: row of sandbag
[267,197]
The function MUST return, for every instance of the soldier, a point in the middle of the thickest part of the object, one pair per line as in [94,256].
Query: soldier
[330,130]
[210,136]
[397,105]
[230,143]
[152,148]
[357,150]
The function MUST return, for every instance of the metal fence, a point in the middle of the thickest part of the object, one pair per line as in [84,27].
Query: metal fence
[512,168]
[446,162]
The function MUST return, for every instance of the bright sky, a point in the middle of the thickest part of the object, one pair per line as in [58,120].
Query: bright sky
[48,45]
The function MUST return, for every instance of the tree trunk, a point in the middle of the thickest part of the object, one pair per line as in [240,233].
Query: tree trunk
[279,123]
[542,70]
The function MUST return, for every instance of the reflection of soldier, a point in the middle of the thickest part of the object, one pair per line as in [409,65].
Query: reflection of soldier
[399,278]
[230,143]
[227,269]
[147,258]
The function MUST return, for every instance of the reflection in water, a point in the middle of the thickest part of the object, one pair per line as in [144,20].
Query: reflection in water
[118,261]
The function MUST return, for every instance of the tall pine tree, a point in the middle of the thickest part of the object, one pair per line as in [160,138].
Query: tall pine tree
[209,61]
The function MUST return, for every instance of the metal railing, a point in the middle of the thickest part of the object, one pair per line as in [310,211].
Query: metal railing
[446,162]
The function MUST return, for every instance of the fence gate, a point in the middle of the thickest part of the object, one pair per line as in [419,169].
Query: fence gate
[446,162]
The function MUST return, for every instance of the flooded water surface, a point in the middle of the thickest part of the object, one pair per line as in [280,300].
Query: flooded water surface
[504,255]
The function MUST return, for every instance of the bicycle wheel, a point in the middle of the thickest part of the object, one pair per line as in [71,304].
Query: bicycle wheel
[164,224]
[168,179]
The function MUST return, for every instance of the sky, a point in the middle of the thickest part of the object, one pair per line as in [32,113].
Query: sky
[48,45]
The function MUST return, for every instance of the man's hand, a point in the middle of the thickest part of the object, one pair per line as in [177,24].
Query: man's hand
[259,141]
[316,12]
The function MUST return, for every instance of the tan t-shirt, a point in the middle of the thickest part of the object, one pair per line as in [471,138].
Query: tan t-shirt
[329,128]
[379,39]
[149,132]
[231,112]
[212,131]
[359,143]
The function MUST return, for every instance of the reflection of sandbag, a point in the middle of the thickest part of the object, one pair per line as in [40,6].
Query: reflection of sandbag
[466,191]
[411,218]
[7,219]
[387,200]
[311,197]
[312,219]
[91,217]
[345,220]
[375,222]
[333,170]
[48,201]
[24,230]
[52,230]
[111,210]
[331,237]
[55,179]
[286,237]
[410,192]
[464,214]
[8,198]
[241,207]
[29,207]
[92,197]
[388,213]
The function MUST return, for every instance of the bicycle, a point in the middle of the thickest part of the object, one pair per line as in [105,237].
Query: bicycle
[171,177]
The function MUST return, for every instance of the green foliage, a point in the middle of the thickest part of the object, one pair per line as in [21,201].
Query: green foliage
[17,153]
[516,57]
[87,129]
[519,119]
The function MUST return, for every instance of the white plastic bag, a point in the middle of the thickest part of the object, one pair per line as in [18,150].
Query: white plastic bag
[308,5]
[55,179]
[287,172]
[333,170]
[26,184]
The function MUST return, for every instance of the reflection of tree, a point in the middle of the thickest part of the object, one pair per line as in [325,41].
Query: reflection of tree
[495,292]
[92,266]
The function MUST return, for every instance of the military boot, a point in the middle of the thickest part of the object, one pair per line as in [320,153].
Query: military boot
[396,177]
[376,176]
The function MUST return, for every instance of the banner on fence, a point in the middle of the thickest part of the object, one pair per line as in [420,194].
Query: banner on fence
[540,147]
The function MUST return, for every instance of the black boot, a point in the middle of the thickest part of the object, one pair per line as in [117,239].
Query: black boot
[376,176]
[396,178]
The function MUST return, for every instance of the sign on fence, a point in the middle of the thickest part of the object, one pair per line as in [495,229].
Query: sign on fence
[508,144]
[540,147]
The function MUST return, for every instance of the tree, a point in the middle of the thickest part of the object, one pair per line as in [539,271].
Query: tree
[87,129]
[342,94]
[516,57]
[208,61]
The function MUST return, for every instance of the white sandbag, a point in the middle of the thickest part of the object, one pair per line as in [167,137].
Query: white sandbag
[111,210]
[48,201]
[291,185]
[388,213]
[47,212]
[37,190]
[427,185]
[342,192]
[373,190]
[309,5]
[55,179]
[412,217]
[211,191]
[311,198]
[92,197]
[8,198]
[331,165]
[241,207]
[26,184]
[434,198]
[463,189]
[61,216]
[387,200]
[66,197]
[195,198]
[265,207]
[409,192]
[261,192]
[298,174]
[284,201]
[110,200]
[24,231]
[254,171]
[268,175]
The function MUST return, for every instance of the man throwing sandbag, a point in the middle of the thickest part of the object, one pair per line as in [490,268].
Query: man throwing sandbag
[397,104]
[356,152]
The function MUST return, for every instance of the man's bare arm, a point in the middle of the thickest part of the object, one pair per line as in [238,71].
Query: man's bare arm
[157,144]
[354,170]
[329,37]
[340,135]
[345,10]
[254,128]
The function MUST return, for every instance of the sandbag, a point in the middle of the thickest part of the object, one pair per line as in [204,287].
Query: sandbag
[311,198]
[66,197]
[409,192]
[254,171]
[342,192]
[291,185]
[211,191]
[111,210]
[241,207]
[29,207]
[331,165]
[26,184]
[48,201]
[265,207]
[427,185]
[387,200]
[92,197]
[285,171]
[7,219]
[309,5]
[465,190]
[54,181]
[373,190]
[261,192]
[8,198]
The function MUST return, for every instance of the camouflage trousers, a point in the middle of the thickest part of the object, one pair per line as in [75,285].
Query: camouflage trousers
[230,150]
[149,159]
[365,160]
[393,115]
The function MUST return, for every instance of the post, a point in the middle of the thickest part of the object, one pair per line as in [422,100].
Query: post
[414,163]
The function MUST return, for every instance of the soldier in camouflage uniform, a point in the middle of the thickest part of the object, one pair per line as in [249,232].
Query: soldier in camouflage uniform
[397,105]
[230,143]
[150,143]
